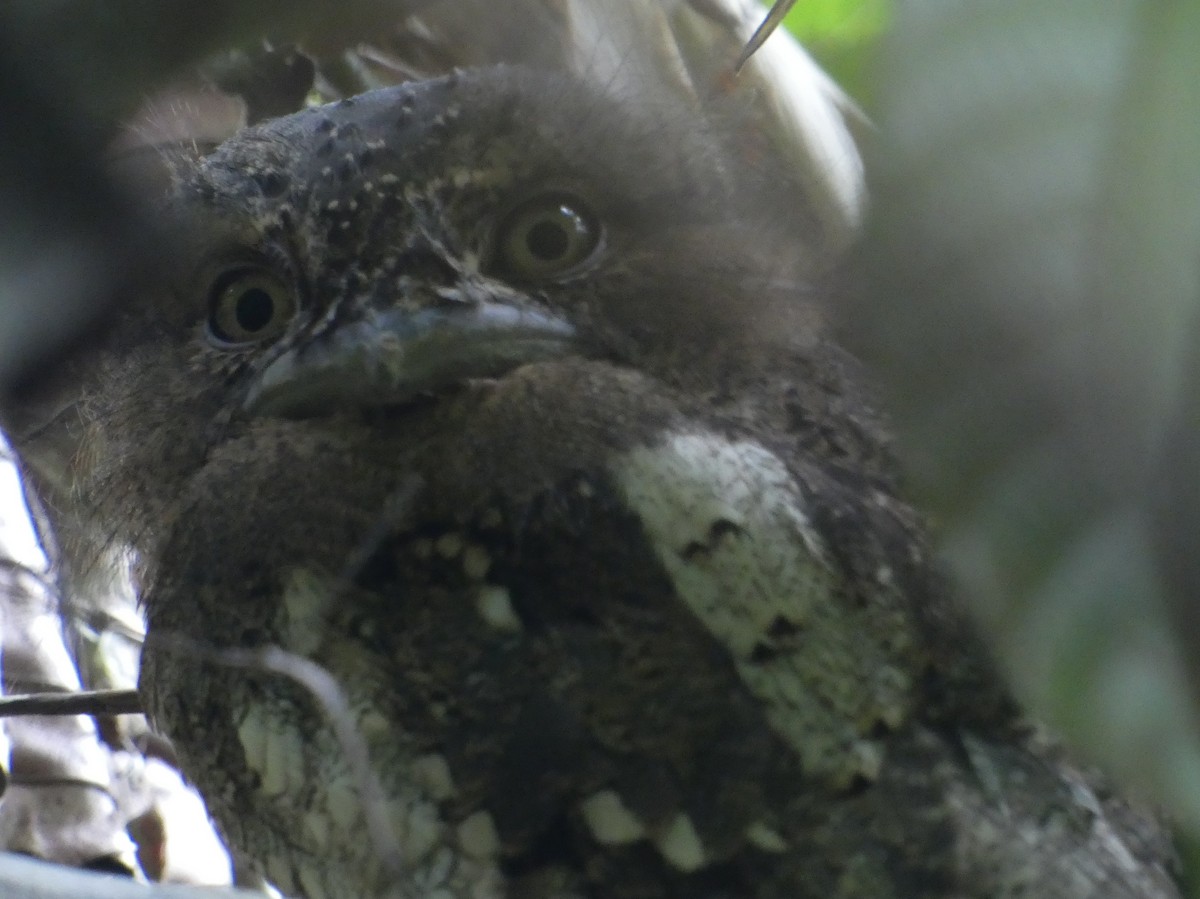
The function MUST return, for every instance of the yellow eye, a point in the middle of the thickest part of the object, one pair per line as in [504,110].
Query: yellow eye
[547,236]
[250,305]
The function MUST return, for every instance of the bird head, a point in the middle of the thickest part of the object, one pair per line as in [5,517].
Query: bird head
[393,245]
[385,251]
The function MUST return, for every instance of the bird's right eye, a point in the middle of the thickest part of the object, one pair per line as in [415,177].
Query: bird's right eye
[547,236]
[248,306]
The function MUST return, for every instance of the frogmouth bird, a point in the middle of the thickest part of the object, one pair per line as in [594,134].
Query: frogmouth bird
[508,525]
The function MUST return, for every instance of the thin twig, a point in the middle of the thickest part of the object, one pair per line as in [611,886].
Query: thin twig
[89,702]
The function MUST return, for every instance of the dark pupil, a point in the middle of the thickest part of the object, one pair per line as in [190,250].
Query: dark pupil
[547,241]
[254,309]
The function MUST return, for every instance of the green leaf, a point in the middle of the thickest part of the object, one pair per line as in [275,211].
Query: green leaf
[838,21]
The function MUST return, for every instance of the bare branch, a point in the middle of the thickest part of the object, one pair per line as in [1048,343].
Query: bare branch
[93,702]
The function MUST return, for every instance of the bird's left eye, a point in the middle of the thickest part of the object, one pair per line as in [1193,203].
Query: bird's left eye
[249,305]
[547,236]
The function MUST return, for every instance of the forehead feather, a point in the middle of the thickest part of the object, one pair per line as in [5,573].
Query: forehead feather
[485,127]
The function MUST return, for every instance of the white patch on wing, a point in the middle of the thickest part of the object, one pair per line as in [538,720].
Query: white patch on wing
[316,826]
[680,844]
[494,605]
[274,750]
[432,774]
[341,799]
[478,838]
[476,562]
[729,524]
[449,545]
[737,581]
[306,600]
[610,820]
[765,838]
[417,823]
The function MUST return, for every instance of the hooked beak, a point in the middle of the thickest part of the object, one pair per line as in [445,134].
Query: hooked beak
[397,355]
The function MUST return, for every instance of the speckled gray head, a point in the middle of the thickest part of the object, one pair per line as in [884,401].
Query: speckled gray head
[393,244]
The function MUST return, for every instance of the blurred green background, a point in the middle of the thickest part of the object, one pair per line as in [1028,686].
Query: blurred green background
[1031,310]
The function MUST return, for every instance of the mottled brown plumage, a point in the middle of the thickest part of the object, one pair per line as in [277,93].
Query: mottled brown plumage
[507,405]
